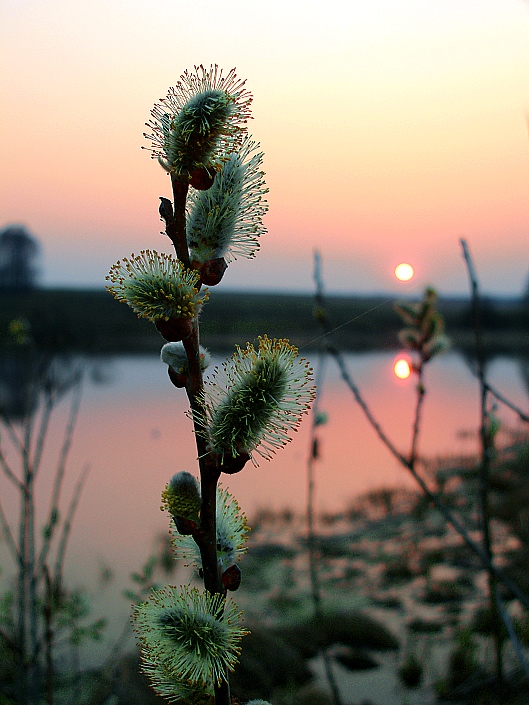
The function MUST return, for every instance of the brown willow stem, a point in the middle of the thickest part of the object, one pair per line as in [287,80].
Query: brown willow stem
[177,230]
[206,536]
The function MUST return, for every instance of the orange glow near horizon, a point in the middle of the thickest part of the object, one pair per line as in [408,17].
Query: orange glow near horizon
[386,128]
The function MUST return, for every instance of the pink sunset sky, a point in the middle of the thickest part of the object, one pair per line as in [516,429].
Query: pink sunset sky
[391,128]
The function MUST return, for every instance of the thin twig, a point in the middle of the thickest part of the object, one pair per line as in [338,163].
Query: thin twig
[313,452]
[8,472]
[13,437]
[6,529]
[313,446]
[59,476]
[67,526]
[486,443]
[417,418]
[493,391]
[445,511]
[507,621]
[42,432]
[48,635]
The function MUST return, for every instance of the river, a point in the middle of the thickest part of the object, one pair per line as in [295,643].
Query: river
[133,431]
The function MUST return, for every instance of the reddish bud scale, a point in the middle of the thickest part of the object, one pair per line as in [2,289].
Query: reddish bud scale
[184,526]
[230,466]
[213,271]
[201,178]
[177,378]
[231,578]
[175,329]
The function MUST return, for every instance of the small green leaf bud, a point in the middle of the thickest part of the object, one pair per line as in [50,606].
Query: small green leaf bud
[319,314]
[408,312]
[432,325]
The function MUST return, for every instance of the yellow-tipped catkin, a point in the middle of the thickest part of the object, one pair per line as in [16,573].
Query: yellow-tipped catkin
[181,497]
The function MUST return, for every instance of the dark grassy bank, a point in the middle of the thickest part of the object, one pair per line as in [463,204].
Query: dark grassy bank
[93,321]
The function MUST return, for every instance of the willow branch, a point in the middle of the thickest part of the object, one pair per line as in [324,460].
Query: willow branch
[176,227]
[446,513]
[206,536]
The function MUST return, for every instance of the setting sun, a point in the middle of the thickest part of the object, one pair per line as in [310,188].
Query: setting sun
[404,272]
[402,368]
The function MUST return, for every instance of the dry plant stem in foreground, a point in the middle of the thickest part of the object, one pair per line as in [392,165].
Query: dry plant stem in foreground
[38,552]
[318,418]
[408,462]
[487,432]
[190,638]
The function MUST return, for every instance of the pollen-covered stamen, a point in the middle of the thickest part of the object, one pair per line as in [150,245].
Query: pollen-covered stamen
[176,690]
[191,136]
[156,286]
[181,497]
[189,635]
[200,121]
[268,390]
[227,219]
[232,534]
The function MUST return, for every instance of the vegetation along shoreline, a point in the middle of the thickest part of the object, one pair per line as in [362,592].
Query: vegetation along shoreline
[91,321]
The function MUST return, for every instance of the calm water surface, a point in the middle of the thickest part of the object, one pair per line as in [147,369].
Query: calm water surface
[133,431]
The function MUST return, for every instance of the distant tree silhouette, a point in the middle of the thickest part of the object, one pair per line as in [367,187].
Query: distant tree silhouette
[18,254]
